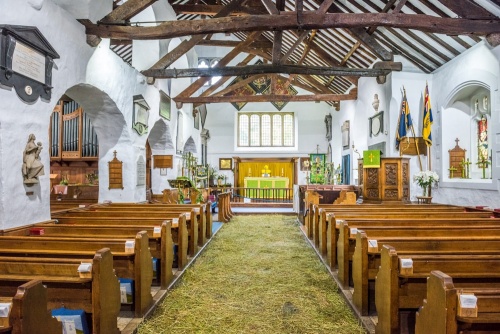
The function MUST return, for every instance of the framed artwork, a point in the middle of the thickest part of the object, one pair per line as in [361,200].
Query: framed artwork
[318,164]
[376,124]
[163,171]
[345,135]
[164,105]
[305,164]
[225,163]
[140,115]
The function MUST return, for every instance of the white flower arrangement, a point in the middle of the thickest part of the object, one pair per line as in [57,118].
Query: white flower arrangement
[426,178]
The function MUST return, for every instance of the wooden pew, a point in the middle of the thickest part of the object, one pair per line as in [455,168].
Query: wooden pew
[160,239]
[202,211]
[334,232]
[314,211]
[438,314]
[29,312]
[191,220]
[179,229]
[98,295]
[365,261]
[134,264]
[320,226]
[224,207]
[396,289]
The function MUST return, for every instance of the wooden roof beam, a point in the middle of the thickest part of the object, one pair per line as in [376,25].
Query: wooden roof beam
[383,69]
[287,21]
[126,11]
[353,94]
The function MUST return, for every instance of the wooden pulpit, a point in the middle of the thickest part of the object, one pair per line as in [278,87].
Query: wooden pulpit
[390,182]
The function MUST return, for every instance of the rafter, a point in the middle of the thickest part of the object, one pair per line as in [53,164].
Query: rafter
[269,69]
[311,20]
[126,11]
[211,10]
[353,94]
[187,45]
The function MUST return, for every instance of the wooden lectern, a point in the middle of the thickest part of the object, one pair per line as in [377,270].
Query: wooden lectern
[390,182]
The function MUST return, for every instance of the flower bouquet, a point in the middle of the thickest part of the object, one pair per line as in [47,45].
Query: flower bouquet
[425,180]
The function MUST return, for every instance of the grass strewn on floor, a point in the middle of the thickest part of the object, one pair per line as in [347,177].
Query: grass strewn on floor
[258,275]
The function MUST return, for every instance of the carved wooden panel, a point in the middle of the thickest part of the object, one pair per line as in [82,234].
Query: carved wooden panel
[390,182]
[391,174]
[115,173]
[457,159]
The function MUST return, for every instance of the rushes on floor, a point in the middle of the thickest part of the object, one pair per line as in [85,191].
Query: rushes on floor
[258,275]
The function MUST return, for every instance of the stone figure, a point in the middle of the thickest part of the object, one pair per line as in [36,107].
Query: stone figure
[376,102]
[32,165]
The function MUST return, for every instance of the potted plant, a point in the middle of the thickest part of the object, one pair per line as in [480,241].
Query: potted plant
[425,180]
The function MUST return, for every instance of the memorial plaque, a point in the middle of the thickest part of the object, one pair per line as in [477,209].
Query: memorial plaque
[26,62]
[141,171]
[115,173]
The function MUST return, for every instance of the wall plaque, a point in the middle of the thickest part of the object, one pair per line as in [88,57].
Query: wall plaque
[115,173]
[26,61]
[163,161]
[141,171]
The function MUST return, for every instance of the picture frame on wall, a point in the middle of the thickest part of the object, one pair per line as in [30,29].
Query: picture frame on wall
[345,135]
[305,164]
[225,163]
[165,105]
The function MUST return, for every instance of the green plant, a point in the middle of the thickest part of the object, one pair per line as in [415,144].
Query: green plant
[64,182]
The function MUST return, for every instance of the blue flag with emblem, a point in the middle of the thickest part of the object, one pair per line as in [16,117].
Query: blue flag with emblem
[404,122]
[427,123]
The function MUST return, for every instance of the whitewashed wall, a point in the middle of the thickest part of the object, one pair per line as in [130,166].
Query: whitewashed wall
[97,79]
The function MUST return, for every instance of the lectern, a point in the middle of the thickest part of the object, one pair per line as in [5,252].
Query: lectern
[390,182]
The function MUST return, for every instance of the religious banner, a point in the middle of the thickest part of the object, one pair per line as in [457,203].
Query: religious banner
[371,159]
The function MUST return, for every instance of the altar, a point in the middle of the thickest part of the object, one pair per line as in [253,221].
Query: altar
[258,185]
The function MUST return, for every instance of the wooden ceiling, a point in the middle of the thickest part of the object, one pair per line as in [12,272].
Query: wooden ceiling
[322,47]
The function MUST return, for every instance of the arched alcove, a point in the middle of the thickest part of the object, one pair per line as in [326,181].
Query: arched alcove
[160,137]
[466,124]
[190,145]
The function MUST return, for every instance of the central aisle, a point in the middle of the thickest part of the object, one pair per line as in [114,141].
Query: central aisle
[258,275]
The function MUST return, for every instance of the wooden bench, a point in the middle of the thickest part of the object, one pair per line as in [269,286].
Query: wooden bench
[160,239]
[98,295]
[366,261]
[29,312]
[224,207]
[191,220]
[178,228]
[332,228]
[438,314]
[398,288]
[320,226]
[135,264]
[202,211]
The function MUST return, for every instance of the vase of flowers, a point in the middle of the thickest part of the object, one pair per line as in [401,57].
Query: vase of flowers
[425,180]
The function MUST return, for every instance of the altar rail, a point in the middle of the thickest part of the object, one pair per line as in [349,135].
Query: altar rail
[257,195]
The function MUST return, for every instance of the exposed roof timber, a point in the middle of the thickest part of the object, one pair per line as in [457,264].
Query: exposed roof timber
[211,10]
[287,21]
[278,38]
[268,69]
[232,44]
[222,62]
[187,45]
[353,94]
[126,11]
[467,9]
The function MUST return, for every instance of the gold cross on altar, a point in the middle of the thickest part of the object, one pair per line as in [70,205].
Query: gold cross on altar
[371,157]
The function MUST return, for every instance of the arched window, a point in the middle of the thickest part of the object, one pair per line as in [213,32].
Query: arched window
[266,130]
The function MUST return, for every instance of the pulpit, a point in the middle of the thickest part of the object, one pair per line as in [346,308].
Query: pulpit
[390,182]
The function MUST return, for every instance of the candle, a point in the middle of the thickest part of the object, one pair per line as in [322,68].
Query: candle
[281,171]
[249,170]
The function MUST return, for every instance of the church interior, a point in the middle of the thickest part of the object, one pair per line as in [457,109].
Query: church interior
[151,123]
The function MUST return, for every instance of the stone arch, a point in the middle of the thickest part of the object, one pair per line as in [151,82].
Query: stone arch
[190,145]
[160,136]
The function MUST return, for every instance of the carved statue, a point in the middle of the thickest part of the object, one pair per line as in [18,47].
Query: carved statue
[32,165]
[376,102]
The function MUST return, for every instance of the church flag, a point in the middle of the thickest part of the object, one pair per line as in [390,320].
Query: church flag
[404,122]
[427,123]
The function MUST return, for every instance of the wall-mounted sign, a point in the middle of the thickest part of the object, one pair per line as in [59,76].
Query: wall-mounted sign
[26,61]
[115,173]
[141,171]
